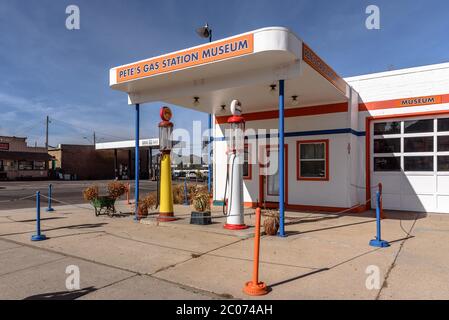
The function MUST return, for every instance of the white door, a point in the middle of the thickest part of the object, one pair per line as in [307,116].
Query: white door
[271,188]
[410,157]
[271,179]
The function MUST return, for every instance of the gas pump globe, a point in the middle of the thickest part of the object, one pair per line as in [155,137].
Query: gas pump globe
[165,147]
[165,130]
[236,139]
[234,179]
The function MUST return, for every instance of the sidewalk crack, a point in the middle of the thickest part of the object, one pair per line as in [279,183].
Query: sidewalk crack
[390,269]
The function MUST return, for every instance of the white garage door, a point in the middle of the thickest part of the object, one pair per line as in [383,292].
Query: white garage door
[410,157]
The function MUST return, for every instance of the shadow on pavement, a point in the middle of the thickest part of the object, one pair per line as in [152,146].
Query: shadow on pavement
[299,277]
[78,226]
[82,226]
[42,219]
[62,295]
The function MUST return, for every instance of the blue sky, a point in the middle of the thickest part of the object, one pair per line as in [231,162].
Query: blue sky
[47,69]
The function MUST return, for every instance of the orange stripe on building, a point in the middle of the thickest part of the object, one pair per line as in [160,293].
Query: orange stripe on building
[313,60]
[405,102]
[289,113]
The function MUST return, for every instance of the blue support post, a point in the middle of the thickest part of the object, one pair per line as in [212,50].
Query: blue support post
[281,161]
[137,164]
[186,200]
[378,242]
[50,188]
[209,152]
[38,236]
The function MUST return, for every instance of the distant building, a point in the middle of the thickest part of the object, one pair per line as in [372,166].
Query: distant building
[84,162]
[20,161]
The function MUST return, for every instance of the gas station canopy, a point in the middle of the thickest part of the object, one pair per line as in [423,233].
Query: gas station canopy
[131,144]
[207,77]
[127,144]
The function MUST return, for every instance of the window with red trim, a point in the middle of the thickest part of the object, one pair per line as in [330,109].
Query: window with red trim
[313,160]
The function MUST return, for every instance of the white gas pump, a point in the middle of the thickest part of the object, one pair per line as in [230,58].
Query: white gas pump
[234,179]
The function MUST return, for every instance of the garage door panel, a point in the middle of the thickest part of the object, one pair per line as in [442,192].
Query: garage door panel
[410,157]
[443,185]
[419,203]
[443,204]
[418,184]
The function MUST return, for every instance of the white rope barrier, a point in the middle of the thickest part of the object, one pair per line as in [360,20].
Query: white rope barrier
[18,199]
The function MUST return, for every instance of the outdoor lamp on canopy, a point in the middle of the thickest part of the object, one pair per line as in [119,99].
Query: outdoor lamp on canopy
[205,32]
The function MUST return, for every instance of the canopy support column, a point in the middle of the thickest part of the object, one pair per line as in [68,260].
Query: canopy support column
[137,163]
[281,161]
[115,164]
[209,152]
[151,163]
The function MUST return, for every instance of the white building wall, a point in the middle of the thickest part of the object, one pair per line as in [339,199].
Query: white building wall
[332,193]
[412,82]
[394,85]
[347,167]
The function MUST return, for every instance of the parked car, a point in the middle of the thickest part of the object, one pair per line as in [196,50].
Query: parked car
[191,175]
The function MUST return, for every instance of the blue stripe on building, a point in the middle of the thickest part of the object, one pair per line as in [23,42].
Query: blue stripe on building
[309,133]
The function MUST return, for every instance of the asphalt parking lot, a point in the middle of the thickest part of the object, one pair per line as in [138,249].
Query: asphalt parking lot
[68,192]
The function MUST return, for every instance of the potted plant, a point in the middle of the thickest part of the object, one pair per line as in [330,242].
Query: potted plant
[116,189]
[146,204]
[201,204]
[271,223]
[178,194]
[90,193]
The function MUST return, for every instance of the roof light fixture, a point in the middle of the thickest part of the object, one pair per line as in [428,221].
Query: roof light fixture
[295,100]
[273,89]
[196,101]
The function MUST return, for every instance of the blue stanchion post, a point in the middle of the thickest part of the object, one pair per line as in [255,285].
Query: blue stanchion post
[378,242]
[38,236]
[186,200]
[50,189]
[281,161]
[137,164]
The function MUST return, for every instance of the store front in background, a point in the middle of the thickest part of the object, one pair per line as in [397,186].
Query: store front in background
[23,165]
[19,161]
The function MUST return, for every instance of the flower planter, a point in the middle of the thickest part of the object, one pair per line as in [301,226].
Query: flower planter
[271,226]
[142,213]
[201,218]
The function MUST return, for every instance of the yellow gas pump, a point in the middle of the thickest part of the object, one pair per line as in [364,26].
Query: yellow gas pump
[165,147]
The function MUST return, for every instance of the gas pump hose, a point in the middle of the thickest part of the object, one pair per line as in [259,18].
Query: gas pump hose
[226,187]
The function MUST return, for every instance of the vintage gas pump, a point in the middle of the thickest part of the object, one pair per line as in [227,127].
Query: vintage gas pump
[234,179]
[165,147]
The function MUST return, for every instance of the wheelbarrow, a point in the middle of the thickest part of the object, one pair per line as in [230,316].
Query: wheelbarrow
[104,205]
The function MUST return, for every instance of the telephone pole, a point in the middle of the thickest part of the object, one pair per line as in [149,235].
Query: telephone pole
[95,140]
[46,132]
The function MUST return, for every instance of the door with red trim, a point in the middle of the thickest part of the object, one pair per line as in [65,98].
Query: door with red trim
[270,174]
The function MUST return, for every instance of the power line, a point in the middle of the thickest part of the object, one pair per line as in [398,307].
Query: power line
[29,127]
[85,129]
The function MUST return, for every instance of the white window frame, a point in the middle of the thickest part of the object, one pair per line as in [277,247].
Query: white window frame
[435,134]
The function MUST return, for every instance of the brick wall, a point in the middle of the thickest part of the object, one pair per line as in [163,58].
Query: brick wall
[89,164]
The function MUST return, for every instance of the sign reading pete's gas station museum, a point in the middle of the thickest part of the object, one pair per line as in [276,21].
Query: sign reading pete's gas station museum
[183,59]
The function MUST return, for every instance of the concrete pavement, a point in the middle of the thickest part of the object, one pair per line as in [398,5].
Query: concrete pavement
[325,257]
